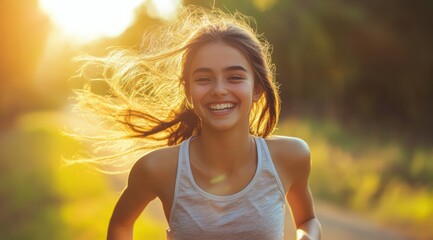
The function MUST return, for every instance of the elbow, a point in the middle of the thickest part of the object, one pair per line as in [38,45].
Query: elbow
[309,230]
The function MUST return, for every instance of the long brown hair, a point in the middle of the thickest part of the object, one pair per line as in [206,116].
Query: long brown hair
[147,101]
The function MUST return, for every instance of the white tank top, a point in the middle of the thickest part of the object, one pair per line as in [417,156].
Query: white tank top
[256,212]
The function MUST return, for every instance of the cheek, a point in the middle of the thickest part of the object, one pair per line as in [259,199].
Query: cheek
[196,93]
[245,90]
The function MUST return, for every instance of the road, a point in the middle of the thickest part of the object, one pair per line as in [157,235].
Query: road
[338,224]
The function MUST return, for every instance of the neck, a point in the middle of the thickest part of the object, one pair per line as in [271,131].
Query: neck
[224,151]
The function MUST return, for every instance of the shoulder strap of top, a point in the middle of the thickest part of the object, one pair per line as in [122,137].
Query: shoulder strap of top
[181,160]
[270,163]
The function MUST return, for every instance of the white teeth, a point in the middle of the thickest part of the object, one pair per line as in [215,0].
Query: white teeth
[221,106]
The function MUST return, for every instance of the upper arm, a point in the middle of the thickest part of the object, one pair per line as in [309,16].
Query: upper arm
[137,194]
[295,157]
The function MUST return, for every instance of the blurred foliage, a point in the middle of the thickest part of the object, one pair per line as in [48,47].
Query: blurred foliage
[362,71]
[367,176]
[43,199]
[367,64]
[29,200]
[19,55]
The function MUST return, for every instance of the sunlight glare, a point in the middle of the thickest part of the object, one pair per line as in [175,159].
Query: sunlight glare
[86,20]
[166,8]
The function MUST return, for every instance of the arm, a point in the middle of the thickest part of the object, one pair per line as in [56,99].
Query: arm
[307,225]
[292,158]
[299,194]
[138,193]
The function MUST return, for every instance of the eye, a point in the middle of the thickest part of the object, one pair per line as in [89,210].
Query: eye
[202,79]
[235,77]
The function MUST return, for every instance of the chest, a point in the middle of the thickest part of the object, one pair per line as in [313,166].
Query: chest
[254,212]
[254,215]
[223,183]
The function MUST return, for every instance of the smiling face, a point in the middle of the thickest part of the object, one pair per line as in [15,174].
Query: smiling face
[221,87]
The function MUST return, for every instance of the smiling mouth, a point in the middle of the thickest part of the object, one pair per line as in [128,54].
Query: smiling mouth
[219,107]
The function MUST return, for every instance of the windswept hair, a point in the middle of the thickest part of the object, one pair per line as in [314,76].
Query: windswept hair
[146,106]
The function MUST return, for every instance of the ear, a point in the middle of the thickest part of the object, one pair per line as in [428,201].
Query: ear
[257,93]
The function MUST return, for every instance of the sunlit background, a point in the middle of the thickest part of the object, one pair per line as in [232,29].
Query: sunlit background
[83,21]
[356,83]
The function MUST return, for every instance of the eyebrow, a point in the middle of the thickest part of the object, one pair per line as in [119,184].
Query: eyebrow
[227,69]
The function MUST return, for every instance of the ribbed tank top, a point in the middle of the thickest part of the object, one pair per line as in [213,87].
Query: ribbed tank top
[256,212]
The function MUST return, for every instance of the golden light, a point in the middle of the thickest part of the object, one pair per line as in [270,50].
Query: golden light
[164,8]
[86,20]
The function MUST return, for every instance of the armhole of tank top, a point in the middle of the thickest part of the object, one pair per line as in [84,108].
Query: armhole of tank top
[272,166]
[181,156]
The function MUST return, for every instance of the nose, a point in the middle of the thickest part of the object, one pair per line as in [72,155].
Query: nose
[219,89]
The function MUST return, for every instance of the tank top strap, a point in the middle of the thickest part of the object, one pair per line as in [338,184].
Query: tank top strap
[182,160]
[268,163]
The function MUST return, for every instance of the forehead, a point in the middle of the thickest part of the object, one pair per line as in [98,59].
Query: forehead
[218,56]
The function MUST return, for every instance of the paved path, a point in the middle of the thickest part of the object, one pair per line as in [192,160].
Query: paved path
[338,224]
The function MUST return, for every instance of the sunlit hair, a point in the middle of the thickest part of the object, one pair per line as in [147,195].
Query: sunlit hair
[147,106]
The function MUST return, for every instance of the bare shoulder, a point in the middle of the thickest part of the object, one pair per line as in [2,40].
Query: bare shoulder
[158,160]
[156,168]
[290,148]
[145,184]
[291,156]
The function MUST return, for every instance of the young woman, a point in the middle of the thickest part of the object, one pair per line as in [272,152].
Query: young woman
[221,174]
